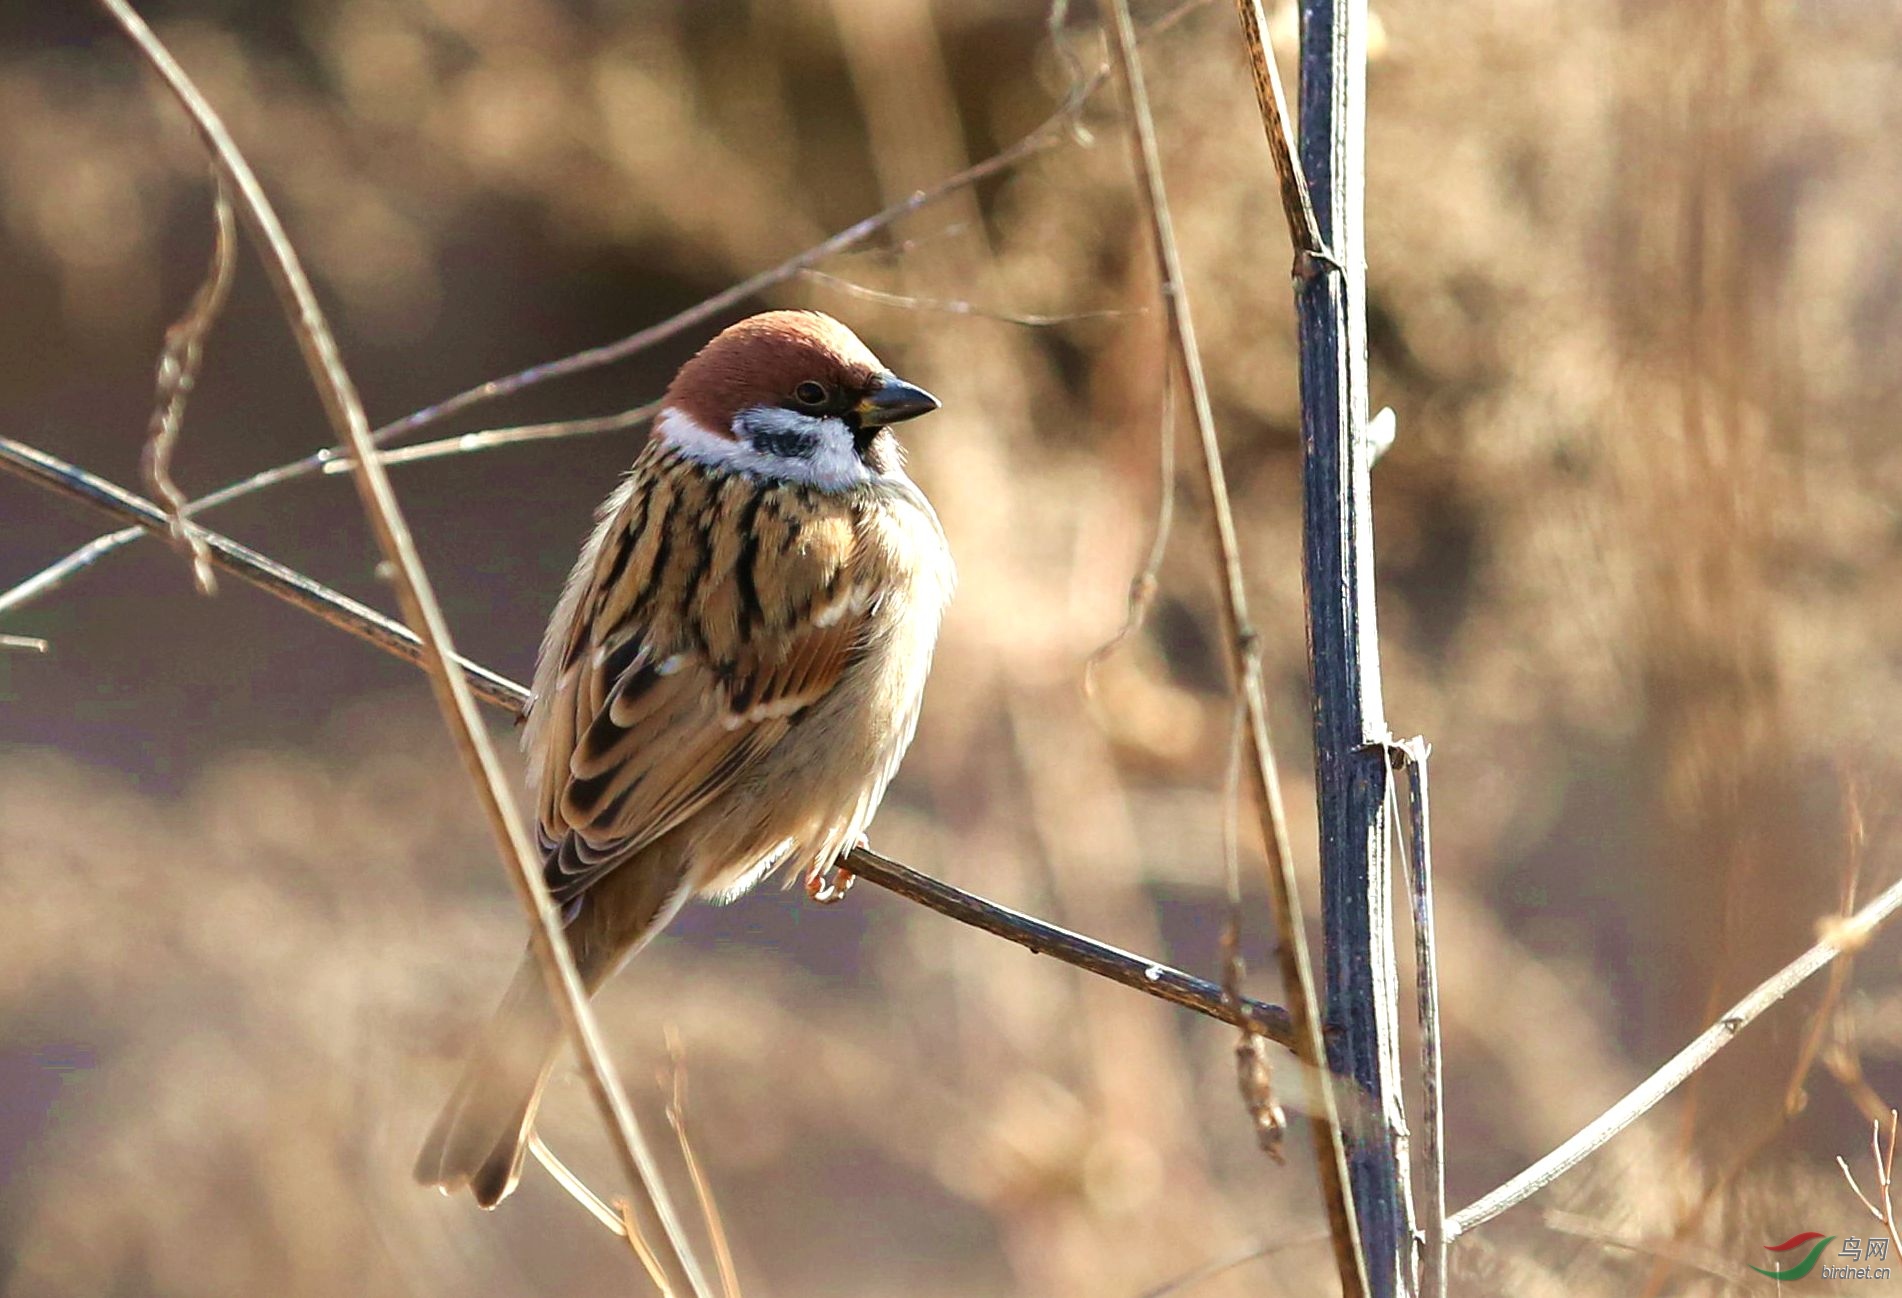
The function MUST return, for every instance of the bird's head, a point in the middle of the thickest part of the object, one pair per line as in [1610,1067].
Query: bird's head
[794,395]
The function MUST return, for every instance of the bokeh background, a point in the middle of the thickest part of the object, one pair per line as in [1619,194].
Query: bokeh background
[1636,300]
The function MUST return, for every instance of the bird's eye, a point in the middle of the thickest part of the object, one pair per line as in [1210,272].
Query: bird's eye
[811,394]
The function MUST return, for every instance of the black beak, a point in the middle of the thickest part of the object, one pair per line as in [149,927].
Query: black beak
[894,401]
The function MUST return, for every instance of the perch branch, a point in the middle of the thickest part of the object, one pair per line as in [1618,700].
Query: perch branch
[1843,936]
[1245,667]
[1041,938]
[345,413]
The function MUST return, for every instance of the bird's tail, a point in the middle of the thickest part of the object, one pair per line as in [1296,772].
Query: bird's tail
[481,1136]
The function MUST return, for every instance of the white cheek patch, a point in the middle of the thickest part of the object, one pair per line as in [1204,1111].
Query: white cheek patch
[829,458]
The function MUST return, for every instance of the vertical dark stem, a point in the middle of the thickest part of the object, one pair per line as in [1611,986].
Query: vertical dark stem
[1350,729]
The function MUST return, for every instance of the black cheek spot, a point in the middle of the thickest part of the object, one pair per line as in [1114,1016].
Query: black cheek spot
[786,443]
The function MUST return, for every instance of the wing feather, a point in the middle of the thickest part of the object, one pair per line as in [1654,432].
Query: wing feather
[663,699]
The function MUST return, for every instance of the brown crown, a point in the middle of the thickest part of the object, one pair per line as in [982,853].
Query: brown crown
[760,360]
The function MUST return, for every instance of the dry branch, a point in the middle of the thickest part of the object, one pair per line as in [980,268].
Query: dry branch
[345,413]
[1041,938]
[1244,659]
[1843,936]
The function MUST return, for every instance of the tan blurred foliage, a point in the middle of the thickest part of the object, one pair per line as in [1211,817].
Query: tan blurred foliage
[1635,300]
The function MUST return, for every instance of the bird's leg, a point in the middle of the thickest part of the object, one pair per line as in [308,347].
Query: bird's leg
[828,886]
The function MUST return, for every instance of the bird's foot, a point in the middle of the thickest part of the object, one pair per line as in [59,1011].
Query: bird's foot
[828,886]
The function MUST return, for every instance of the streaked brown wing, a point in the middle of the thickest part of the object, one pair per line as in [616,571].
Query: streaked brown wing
[644,727]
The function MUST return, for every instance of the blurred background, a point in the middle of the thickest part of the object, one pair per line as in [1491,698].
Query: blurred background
[1636,299]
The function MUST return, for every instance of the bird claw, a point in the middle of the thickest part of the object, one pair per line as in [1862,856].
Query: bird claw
[828,886]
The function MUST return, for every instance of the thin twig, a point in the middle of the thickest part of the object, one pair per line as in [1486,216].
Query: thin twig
[179,360]
[1304,231]
[1855,836]
[1843,1062]
[643,1251]
[955,306]
[1254,1070]
[1842,937]
[1885,1175]
[1047,135]
[1222,1266]
[576,1187]
[1148,976]
[1143,587]
[1042,938]
[1888,1171]
[1245,665]
[327,461]
[56,475]
[897,250]
[491,438]
[1416,856]
[1671,1251]
[702,1188]
[618,1219]
[345,412]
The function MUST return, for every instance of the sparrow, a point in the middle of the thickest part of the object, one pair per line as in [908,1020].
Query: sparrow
[728,683]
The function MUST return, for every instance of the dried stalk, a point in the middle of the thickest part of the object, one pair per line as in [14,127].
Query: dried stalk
[491,438]
[1844,937]
[1297,206]
[1671,1252]
[1143,587]
[1138,972]
[1350,730]
[1245,665]
[345,412]
[1884,1162]
[577,1189]
[179,360]
[1418,861]
[702,1188]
